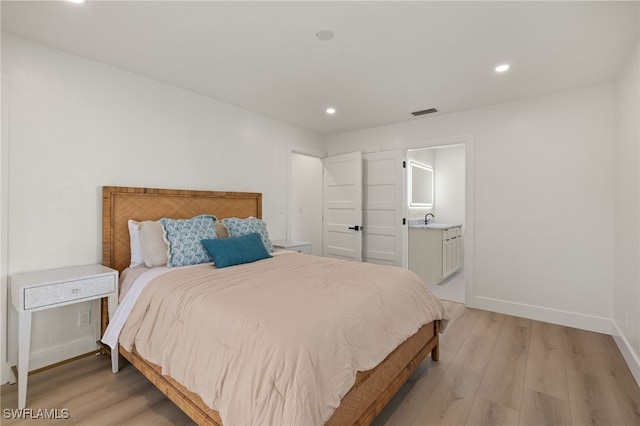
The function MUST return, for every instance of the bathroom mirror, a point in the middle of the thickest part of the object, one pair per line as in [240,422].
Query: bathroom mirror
[420,185]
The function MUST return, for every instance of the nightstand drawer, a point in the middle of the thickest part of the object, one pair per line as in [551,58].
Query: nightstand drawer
[55,293]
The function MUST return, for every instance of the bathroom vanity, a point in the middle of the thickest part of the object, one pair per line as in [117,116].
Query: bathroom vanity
[436,250]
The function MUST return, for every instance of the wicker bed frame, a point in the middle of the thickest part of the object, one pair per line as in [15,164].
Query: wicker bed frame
[372,390]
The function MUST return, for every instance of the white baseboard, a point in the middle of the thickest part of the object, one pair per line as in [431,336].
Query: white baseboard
[539,313]
[631,358]
[51,355]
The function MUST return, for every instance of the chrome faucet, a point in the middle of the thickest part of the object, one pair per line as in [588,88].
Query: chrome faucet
[426,218]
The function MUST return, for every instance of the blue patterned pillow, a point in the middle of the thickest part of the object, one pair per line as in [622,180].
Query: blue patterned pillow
[236,250]
[184,236]
[239,227]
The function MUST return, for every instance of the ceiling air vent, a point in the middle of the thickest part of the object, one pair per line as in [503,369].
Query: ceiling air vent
[424,111]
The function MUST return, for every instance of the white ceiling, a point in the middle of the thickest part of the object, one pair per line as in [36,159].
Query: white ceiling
[387,58]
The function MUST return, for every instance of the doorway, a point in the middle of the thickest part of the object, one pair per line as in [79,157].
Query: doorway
[444,206]
[305,200]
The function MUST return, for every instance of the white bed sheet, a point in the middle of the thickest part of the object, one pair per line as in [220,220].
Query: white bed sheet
[125,306]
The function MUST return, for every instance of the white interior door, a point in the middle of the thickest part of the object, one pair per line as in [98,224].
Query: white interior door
[343,207]
[383,197]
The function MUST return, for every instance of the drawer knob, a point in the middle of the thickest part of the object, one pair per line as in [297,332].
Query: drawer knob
[74,291]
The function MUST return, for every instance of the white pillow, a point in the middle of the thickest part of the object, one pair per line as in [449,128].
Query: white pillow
[134,239]
[153,243]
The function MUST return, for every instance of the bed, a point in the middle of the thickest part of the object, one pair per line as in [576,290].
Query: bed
[372,389]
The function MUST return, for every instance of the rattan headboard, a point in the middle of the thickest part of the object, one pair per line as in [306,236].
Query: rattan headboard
[119,204]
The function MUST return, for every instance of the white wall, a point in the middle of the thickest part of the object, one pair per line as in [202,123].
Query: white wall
[306,201]
[76,125]
[543,201]
[627,214]
[449,188]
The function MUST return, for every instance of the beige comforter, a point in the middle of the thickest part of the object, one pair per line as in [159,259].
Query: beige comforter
[278,341]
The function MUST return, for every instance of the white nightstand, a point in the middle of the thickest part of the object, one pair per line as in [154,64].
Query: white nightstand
[299,246]
[36,291]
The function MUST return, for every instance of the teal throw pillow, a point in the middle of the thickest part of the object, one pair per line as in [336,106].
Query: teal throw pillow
[236,250]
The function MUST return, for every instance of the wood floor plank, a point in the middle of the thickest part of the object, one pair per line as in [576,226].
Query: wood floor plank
[503,380]
[488,413]
[163,414]
[539,409]
[457,331]
[580,349]
[625,388]
[592,401]
[119,406]
[476,350]
[590,391]
[146,406]
[407,403]
[546,370]
[451,401]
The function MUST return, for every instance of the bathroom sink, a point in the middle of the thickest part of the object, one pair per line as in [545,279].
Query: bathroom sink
[439,226]
[416,223]
[421,224]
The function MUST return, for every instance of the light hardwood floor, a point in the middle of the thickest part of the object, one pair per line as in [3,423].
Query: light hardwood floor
[494,370]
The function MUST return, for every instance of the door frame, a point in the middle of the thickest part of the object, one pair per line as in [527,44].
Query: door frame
[469,264]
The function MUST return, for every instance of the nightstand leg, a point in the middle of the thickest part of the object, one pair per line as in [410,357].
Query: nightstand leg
[112,305]
[24,343]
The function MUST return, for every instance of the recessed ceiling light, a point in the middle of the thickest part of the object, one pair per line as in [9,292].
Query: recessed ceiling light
[331,111]
[502,68]
[325,35]
[76,1]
